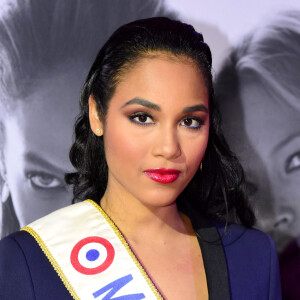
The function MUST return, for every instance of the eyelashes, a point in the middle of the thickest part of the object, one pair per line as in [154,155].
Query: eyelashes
[41,180]
[141,118]
[144,119]
[192,122]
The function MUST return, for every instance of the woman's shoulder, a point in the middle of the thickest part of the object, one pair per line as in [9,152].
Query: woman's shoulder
[237,235]
[252,262]
[13,269]
[23,242]
[25,272]
[248,244]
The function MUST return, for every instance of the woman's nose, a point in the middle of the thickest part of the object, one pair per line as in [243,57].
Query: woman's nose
[167,144]
[281,221]
[281,228]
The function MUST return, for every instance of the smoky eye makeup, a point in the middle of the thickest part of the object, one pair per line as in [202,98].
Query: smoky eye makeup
[192,122]
[144,118]
[141,118]
[293,163]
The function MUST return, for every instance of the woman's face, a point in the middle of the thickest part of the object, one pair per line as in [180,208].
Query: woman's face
[268,144]
[38,134]
[156,131]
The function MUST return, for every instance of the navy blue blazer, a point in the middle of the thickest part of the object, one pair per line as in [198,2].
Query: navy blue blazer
[243,265]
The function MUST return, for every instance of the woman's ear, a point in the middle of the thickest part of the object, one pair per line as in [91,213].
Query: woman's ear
[95,122]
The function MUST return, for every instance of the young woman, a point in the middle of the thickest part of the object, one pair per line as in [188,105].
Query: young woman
[150,154]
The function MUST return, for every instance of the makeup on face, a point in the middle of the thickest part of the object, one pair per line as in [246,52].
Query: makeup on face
[156,131]
[162,175]
[144,116]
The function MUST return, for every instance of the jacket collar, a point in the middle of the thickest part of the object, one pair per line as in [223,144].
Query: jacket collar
[214,258]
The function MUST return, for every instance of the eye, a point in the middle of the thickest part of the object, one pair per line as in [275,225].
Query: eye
[141,118]
[293,163]
[44,181]
[192,122]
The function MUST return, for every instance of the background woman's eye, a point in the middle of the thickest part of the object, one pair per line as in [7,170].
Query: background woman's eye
[45,181]
[293,163]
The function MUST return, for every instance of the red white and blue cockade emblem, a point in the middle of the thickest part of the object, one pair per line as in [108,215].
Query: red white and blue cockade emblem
[92,255]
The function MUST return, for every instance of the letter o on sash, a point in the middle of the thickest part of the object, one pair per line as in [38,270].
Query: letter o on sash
[92,255]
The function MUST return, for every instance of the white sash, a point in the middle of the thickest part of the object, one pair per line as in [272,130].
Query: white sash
[90,254]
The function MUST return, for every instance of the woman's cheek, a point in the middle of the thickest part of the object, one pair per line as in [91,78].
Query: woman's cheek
[123,145]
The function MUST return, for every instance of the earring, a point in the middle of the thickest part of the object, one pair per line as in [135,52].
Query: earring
[98,131]
[200,166]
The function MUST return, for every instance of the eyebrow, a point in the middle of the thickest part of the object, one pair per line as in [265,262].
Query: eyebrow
[42,162]
[200,107]
[154,106]
[142,102]
[284,142]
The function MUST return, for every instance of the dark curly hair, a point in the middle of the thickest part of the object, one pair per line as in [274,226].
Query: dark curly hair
[218,191]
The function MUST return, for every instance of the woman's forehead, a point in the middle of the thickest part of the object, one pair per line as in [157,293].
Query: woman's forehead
[160,78]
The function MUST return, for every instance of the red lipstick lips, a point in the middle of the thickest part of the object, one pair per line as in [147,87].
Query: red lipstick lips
[163,175]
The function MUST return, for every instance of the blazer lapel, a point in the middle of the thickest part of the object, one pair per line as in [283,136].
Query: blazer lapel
[214,258]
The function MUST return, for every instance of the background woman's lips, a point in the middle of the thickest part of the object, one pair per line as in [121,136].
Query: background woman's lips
[162,175]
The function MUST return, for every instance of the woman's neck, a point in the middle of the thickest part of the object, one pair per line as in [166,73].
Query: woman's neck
[138,221]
